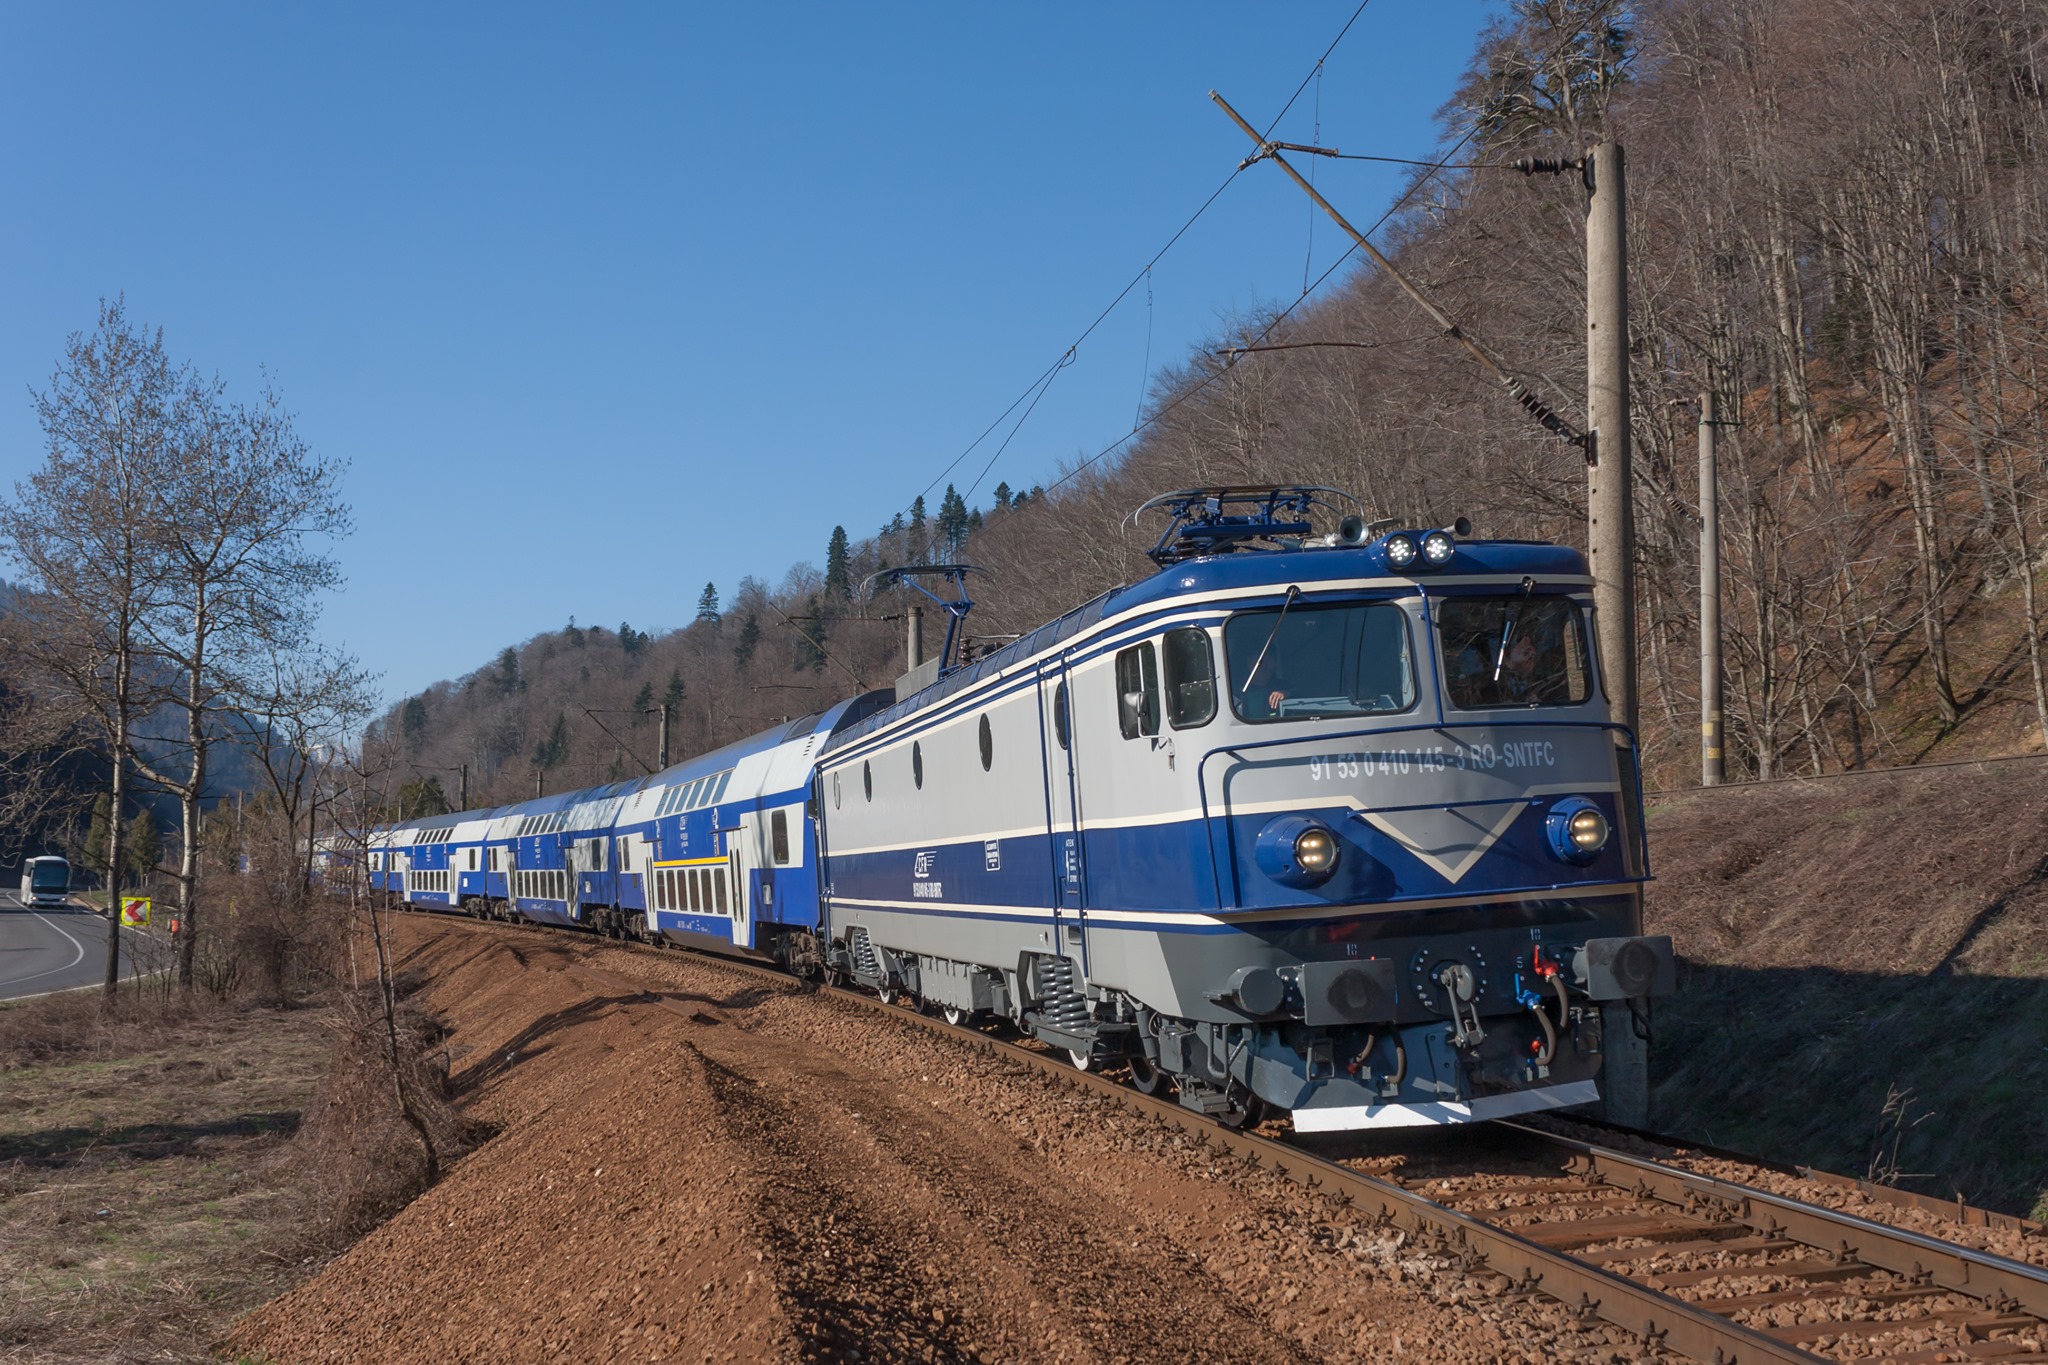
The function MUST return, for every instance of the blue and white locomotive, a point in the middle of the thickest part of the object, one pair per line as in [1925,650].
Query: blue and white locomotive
[1340,825]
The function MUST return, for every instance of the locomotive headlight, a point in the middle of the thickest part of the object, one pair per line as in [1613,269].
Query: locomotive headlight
[1577,829]
[1400,551]
[1315,851]
[1437,548]
[1296,850]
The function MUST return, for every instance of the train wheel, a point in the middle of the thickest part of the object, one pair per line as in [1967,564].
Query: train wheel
[886,993]
[1248,1112]
[1146,1078]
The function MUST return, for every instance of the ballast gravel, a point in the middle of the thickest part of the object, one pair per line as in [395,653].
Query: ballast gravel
[752,1172]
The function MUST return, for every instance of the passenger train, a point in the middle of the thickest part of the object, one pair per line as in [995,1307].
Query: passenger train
[1338,824]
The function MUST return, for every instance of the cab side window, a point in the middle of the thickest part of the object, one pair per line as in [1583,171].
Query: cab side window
[778,837]
[1137,691]
[1190,678]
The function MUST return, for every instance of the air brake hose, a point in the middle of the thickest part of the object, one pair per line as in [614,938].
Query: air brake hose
[1564,1002]
[1549,1033]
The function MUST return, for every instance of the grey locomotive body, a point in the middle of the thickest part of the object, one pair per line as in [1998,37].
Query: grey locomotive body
[1339,827]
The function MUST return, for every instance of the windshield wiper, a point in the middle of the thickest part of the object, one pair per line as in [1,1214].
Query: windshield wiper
[1293,591]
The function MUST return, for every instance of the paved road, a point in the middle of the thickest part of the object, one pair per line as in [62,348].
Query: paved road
[57,950]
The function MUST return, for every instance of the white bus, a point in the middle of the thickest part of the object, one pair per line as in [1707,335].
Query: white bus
[45,881]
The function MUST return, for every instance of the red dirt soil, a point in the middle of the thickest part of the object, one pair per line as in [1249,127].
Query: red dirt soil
[774,1175]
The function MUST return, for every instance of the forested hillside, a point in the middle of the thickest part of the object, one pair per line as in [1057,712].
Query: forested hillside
[1837,223]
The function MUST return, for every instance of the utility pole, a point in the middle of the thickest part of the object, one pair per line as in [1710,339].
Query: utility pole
[1610,508]
[661,759]
[537,772]
[463,802]
[913,643]
[1712,765]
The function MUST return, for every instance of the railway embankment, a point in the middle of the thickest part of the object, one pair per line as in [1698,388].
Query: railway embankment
[694,1164]
[1864,975]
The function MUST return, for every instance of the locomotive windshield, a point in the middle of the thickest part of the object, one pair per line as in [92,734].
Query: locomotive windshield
[1301,663]
[1513,651]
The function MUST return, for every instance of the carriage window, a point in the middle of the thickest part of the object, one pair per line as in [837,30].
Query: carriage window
[917,764]
[1513,651]
[988,746]
[1190,678]
[718,880]
[1059,714]
[778,837]
[1305,663]
[867,779]
[1137,691]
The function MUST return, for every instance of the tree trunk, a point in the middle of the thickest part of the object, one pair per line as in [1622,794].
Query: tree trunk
[123,663]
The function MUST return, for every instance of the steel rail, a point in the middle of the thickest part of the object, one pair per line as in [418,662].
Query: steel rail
[2005,1285]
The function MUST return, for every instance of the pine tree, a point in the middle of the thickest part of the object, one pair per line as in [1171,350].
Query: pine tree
[554,750]
[94,854]
[572,634]
[630,640]
[643,700]
[750,636]
[422,796]
[672,696]
[145,850]
[707,604]
[508,680]
[412,721]
[1002,495]
[952,521]
[810,641]
[915,549]
[836,579]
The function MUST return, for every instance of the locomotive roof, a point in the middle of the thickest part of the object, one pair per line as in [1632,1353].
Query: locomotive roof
[1213,574]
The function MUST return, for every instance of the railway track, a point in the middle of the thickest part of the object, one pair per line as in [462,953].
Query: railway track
[1686,1263]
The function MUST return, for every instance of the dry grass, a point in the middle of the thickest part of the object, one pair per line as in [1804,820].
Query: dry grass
[359,1158]
[166,1167]
[140,1202]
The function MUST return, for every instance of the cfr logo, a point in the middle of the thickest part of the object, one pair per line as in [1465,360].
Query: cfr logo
[924,863]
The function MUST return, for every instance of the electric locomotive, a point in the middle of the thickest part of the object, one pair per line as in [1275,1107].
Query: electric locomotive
[1337,824]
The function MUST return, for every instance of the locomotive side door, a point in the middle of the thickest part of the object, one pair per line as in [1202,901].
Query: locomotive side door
[1069,865]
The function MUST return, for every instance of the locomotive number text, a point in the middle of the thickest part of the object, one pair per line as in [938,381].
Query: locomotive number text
[1535,753]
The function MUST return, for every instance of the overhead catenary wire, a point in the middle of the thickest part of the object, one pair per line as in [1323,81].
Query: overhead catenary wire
[1035,389]
[1447,162]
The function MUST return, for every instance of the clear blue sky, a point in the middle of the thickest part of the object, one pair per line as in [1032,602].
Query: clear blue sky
[602,303]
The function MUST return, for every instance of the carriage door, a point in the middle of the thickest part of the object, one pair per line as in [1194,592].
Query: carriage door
[1063,813]
[739,889]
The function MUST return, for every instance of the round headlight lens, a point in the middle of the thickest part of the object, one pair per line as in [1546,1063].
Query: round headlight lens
[1400,551]
[1587,830]
[1438,547]
[1315,850]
